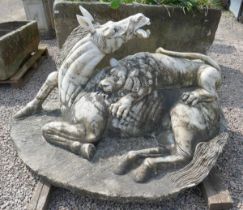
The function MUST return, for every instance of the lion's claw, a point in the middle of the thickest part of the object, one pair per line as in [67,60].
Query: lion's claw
[120,110]
[190,98]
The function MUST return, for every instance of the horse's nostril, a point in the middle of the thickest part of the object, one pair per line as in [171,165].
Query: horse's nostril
[103,85]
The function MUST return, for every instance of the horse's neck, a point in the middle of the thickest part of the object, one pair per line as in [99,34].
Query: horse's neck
[82,60]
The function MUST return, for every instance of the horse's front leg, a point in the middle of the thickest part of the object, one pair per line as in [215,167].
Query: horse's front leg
[36,104]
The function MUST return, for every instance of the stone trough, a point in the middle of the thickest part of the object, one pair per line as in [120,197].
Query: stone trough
[18,40]
[171,27]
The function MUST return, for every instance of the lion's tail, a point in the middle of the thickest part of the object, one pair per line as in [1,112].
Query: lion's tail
[200,56]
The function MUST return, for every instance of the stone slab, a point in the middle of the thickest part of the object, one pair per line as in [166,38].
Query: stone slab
[41,11]
[96,178]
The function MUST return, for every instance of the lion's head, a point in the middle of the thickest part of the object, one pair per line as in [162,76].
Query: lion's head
[115,79]
[124,77]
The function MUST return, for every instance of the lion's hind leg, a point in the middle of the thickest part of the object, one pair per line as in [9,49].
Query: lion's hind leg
[208,81]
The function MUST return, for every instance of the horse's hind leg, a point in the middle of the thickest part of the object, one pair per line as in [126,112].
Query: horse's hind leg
[35,105]
[68,136]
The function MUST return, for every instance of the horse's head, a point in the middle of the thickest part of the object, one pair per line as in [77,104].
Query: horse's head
[110,36]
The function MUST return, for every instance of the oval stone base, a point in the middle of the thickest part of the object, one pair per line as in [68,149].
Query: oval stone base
[95,178]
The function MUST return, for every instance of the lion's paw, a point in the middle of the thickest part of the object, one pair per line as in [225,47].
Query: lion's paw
[121,108]
[191,98]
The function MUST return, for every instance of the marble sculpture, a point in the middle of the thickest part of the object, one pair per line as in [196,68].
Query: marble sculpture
[170,95]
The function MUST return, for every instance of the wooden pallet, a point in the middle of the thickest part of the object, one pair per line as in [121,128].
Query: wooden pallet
[215,193]
[18,79]
[39,200]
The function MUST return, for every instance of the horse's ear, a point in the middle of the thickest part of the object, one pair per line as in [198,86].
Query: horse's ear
[85,23]
[114,62]
[86,13]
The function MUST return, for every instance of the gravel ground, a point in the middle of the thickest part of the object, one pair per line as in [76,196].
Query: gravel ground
[17,181]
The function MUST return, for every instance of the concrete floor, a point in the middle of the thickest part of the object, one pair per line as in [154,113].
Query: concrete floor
[11,10]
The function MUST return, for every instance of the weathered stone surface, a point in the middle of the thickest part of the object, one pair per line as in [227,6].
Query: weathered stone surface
[96,178]
[171,28]
[17,41]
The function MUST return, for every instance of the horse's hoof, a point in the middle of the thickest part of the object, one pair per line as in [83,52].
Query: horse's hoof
[126,163]
[87,151]
[143,173]
[31,108]
[123,166]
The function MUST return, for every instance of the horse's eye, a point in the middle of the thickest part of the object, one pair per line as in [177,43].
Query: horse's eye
[112,71]
[114,77]
[116,29]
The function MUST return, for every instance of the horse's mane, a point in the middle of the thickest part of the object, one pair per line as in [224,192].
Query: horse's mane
[76,35]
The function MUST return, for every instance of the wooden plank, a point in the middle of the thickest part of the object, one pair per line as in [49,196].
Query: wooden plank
[28,64]
[32,63]
[215,192]
[39,200]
